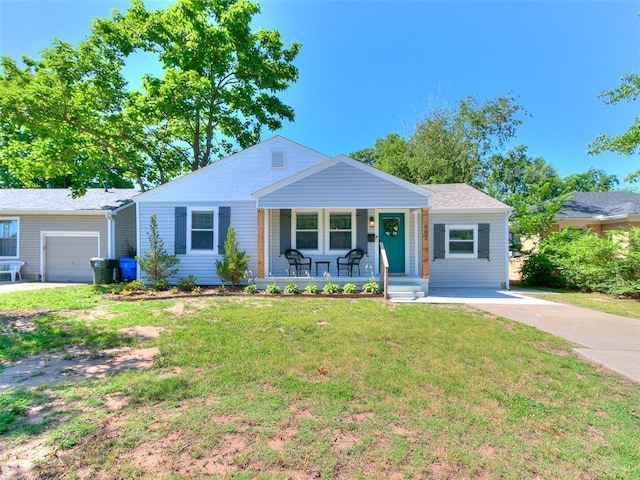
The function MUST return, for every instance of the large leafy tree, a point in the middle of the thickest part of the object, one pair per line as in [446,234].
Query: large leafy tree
[450,144]
[71,112]
[628,142]
[593,180]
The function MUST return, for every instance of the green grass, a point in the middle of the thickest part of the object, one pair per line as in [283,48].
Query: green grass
[285,387]
[626,307]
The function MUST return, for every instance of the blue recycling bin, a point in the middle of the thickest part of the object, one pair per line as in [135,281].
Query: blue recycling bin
[128,268]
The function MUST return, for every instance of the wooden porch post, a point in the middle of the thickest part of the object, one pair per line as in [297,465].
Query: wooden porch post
[425,243]
[261,243]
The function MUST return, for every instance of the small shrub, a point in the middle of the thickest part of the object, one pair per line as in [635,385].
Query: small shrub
[273,288]
[174,290]
[371,287]
[135,286]
[187,284]
[331,288]
[311,288]
[350,288]
[128,289]
[251,288]
[160,284]
[538,269]
[221,289]
[156,262]
[233,266]
[196,290]
[292,288]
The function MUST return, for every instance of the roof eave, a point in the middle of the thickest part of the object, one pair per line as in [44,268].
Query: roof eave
[471,209]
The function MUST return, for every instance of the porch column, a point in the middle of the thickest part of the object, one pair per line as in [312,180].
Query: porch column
[261,243]
[425,243]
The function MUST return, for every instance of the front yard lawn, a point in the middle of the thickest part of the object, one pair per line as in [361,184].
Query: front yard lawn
[291,387]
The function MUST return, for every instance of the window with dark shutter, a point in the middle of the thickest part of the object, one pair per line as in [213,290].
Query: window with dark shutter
[483,241]
[362,229]
[180,236]
[224,220]
[285,230]
[438,241]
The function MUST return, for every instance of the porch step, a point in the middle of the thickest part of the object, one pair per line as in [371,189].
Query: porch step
[405,291]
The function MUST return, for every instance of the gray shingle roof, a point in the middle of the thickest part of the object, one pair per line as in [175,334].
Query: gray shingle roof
[594,204]
[59,199]
[460,195]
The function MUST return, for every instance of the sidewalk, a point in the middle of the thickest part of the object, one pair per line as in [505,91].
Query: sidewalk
[608,340]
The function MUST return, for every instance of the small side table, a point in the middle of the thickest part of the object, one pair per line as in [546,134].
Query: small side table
[322,263]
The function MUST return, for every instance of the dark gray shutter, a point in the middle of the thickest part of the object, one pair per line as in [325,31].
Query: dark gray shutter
[483,241]
[362,229]
[285,229]
[438,241]
[180,236]
[224,220]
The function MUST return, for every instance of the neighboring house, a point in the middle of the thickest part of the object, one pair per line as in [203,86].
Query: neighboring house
[599,211]
[279,195]
[56,235]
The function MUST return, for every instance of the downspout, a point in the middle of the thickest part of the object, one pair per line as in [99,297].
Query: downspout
[111,227]
[506,246]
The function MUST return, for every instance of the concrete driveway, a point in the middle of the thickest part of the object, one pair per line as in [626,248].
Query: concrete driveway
[608,340]
[20,286]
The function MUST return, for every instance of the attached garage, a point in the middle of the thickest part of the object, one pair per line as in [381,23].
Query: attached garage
[58,234]
[66,255]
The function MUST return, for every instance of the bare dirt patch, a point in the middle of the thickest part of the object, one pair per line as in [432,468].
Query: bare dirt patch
[73,364]
[78,363]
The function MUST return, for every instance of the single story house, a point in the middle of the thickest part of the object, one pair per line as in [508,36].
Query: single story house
[279,195]
[599,211]
[57,235]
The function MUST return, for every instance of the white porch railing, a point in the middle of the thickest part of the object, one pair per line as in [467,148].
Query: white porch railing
[384,271]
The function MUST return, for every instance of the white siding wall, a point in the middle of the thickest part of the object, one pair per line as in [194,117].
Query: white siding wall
[465,272]
[237,177]
[32,225]
[203,267]
[125,232]
[343,185]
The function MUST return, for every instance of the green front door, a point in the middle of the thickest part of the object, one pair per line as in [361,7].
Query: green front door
[391,233]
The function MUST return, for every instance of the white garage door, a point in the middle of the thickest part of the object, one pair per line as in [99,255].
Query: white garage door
[67,258]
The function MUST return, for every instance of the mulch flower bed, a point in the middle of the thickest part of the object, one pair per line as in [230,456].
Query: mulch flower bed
[228,291]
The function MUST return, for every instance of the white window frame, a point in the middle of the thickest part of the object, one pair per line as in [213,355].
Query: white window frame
[17,220]
[447,241]
[327,230]
[294,222]
[202,208]
[324,233]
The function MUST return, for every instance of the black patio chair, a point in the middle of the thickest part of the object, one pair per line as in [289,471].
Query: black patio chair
[297,260]
[350,260]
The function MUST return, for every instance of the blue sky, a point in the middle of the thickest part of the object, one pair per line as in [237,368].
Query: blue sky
[368,68]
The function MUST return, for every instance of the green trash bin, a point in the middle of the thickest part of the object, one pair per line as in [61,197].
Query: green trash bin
[103,270]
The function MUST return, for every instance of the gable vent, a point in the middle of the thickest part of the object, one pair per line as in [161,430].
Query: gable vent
[277,159]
